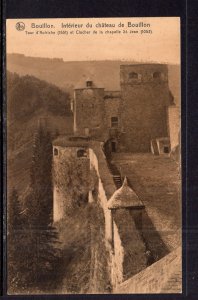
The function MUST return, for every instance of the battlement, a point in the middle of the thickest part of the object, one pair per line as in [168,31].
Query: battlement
[143,73]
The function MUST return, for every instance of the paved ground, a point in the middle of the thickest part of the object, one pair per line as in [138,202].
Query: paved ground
[174,282]
[155,179]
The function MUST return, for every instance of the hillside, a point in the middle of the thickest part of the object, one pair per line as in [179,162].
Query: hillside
[30,99]
[67,74]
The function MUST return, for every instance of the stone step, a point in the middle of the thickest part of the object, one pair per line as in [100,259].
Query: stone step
[118,182]
[117,179]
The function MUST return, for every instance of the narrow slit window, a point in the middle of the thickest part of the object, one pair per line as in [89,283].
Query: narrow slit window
[55,151]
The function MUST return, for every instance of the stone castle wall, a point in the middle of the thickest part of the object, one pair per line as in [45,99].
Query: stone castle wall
[112,109]
[101,167]
[124,243]
[106,189]
[174,125]
[164,276]
[61,199]
[123,240]
[141,107]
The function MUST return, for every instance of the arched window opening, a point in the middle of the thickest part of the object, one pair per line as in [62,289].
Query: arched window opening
[157,75]
[133,75]
[81,153]
[55,151]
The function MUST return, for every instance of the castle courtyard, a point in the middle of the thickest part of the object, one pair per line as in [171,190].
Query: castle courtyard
[155,179]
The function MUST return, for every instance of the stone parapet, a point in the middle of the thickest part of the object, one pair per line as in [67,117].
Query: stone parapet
[164,276]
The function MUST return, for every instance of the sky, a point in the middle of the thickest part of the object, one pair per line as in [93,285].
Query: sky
[161,44]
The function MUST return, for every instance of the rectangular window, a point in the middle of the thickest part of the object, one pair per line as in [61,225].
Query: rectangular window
[114,122]
[55,151]
[89,83]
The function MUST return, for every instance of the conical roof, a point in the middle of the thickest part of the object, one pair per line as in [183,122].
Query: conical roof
[125,197]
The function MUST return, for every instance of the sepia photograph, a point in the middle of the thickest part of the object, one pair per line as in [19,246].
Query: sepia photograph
[94,200]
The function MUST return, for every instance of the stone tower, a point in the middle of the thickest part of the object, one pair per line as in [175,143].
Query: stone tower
[88,108]
[69,155]
[145,99]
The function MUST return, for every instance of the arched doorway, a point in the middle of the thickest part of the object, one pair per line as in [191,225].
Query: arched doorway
[113,146]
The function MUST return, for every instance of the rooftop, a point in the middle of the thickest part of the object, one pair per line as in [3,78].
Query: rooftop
[144,64]
[124,197]
[71,141]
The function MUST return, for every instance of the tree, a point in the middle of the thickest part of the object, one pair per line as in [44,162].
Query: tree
[40,200]
[41,238]
[14,212]
[15,243]
[72,177]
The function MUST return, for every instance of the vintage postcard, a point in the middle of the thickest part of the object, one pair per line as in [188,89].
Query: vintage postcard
[93,156]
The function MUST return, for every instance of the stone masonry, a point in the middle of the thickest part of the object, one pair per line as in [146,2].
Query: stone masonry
[130,118]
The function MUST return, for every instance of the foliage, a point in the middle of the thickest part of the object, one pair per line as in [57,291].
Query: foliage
[76,251]
[72,177]
[40,257]
[14,211]
[33,258]
[40,201]
[15,223]
[43,237]
[34,252]
[27,94]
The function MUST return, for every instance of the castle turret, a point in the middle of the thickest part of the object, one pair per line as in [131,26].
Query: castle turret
[70,160]
[126,215]
[88,109]
[126,198]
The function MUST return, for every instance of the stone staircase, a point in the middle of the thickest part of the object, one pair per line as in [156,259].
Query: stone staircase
[118,181]
[115,174]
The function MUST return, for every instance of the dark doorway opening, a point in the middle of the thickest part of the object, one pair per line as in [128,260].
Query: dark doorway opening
[166,149]
[113,146]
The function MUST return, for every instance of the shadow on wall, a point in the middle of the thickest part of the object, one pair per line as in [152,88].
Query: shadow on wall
[155,246]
